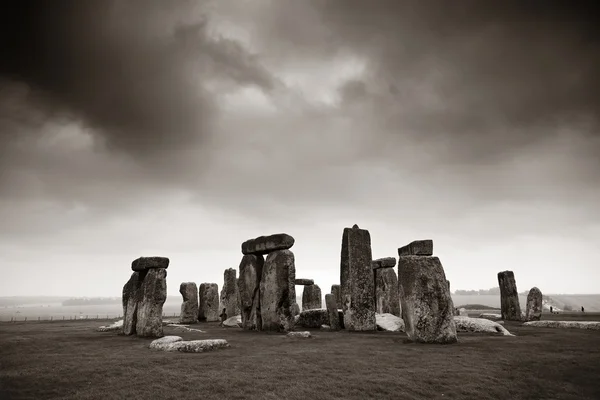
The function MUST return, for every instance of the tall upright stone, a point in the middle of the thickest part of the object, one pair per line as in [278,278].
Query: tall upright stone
[131,298]
[153,294]
[311,297]
[509,296]
[533,311]
[189,306]
[387,298]
[275,295]
[208,307]
[356,278]
[336,291]
[229,300]
[251,268]
[332,311]
[292,288]
[427,307]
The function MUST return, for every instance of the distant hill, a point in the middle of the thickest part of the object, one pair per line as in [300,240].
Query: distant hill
[12,301]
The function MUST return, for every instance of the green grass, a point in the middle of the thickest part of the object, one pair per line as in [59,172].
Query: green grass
[70,360]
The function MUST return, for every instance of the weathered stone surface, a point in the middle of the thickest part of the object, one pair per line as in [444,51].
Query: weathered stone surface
[491,316]
[233,322]
[387,298]
[333,313]
[336,291]
[533,310]
[153,294]
[144,263]
[592,325]
[417,248]
[295,309]
[115,326]
[427,308]
[251,268]
[292,293]
[356,278]
[265,244]
[509,297]
[189,306]
[313,318]
[275,295]
[176,343]
[311,297]
[304,335]
[131,297]
[229,299]
[208,307]
[387,262]
[303,282]
[389,322]
[483,325]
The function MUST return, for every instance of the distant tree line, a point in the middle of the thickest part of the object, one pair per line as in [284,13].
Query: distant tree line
[494,291]
[91,301]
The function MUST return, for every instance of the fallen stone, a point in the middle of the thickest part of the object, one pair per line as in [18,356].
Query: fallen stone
[233,322]
[229,300]
[153,294]
[130,300]
[533,309]
[304,282]
[313,318]
[265,244]
[491,317]
[387,298]
[427,307]
[509,297]
[183,328]
[333,313]
[251,268]
[208,305]
[592,325]
[311,297]
[115,326]
[189,306]
[389,322]
[387,262]
[275,291]
[305,334]
[191,346]
[356,278]
[159,344]
[466,324]
[417,248]
[144,263]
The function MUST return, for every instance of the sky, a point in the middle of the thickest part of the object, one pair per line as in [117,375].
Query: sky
[183,128]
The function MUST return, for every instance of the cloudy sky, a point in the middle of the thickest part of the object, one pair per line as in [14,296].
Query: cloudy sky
[183,128]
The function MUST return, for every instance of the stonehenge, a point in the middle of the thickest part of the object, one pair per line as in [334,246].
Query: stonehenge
[356,278]
[275,298]
[143,297]
[229,300]
[189,307]
[251,268]
[311,297]
[509,297]
[533,309]
[427,307]
[208,302]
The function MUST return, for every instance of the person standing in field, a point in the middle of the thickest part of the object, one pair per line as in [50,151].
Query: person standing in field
[550,309]
[582,309]
[223,317]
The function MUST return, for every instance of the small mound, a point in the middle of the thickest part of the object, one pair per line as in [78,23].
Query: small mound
[482,325]
[389,322]
[304,334]
[593,325]
[176,343]
[233,322]
[115,326]
[477,307]
[491,316]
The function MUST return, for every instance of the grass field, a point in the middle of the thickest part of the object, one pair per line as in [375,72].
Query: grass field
[70,360]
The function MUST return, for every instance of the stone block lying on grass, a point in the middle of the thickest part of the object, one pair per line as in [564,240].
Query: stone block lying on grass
[481,325]
[184,328]
[233,322]
[316,318]
[304,334]
[389,322]
[593,325]
[491,316]
[115,326]
[176,343]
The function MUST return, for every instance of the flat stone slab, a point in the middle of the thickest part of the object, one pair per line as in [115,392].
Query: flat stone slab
[304,334]
[593,325]
[304,282]
[144,263]
[265,244]
[417,248]
[115,326]
[480,325]
[233,322]
[389,322]
[176,343]
[386,262]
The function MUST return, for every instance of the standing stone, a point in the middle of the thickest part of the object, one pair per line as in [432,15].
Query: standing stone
[509,297]
[357,283]
[131,295]
[189,307]
[332,311]
[295,309]
[337,295]
[311,297]
[292,289]
[427,308]
[417,248]
[208,307]
[229,294]
[276,300]
[153,294]
[251,268]
[533,311]
[387,298]
[448,283]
